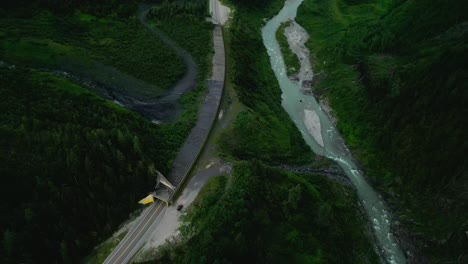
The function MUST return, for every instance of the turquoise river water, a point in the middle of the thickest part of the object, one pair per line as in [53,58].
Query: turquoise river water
[323,138]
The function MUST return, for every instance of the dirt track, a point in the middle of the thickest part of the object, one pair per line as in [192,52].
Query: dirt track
[166,109]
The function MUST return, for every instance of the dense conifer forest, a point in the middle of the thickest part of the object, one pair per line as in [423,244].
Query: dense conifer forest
[396,76]
[263,131]
[74,165]
[263,215]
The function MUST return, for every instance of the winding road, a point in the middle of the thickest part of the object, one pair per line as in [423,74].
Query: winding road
[186,157]
[166,109]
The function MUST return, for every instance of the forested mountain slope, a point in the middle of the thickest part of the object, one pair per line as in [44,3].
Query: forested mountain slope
[261,214]
[396,76]
[72,165]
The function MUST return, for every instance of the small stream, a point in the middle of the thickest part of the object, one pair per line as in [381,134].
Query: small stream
[319,132]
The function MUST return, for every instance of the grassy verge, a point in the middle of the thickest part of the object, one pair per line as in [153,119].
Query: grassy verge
[103,251]
[290,59]
[230,107]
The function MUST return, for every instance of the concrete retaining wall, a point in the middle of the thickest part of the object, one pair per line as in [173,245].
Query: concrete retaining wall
[194,143]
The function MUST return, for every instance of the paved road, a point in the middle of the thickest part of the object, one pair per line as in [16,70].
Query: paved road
[133,240]
[186,157]
[194,143]
[214,11]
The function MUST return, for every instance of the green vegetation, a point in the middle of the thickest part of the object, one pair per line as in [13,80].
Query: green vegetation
[195,39]
[290,59]
[100,254]
[264,215]
[395,73]
[86,44]
[121,8]
[393,70]
[191,10]
[261,214]
[68,155]
[264,130]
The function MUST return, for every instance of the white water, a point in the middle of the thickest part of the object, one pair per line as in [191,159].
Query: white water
[323,138]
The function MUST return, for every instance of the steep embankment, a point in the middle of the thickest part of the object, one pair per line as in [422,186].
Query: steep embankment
[395,76]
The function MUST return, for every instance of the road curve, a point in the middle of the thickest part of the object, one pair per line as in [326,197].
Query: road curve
[166,109]
[189,80]
[186,157]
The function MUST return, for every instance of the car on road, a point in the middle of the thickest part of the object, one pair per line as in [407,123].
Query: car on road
[179,207]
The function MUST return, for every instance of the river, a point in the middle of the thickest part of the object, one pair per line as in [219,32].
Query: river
[323,138]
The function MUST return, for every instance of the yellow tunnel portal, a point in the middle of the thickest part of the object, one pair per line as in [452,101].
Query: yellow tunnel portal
[147,200]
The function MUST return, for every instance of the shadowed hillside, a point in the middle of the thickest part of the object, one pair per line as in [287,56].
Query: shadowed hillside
[395,74]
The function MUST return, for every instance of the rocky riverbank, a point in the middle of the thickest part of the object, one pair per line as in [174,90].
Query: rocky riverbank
[332,172]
